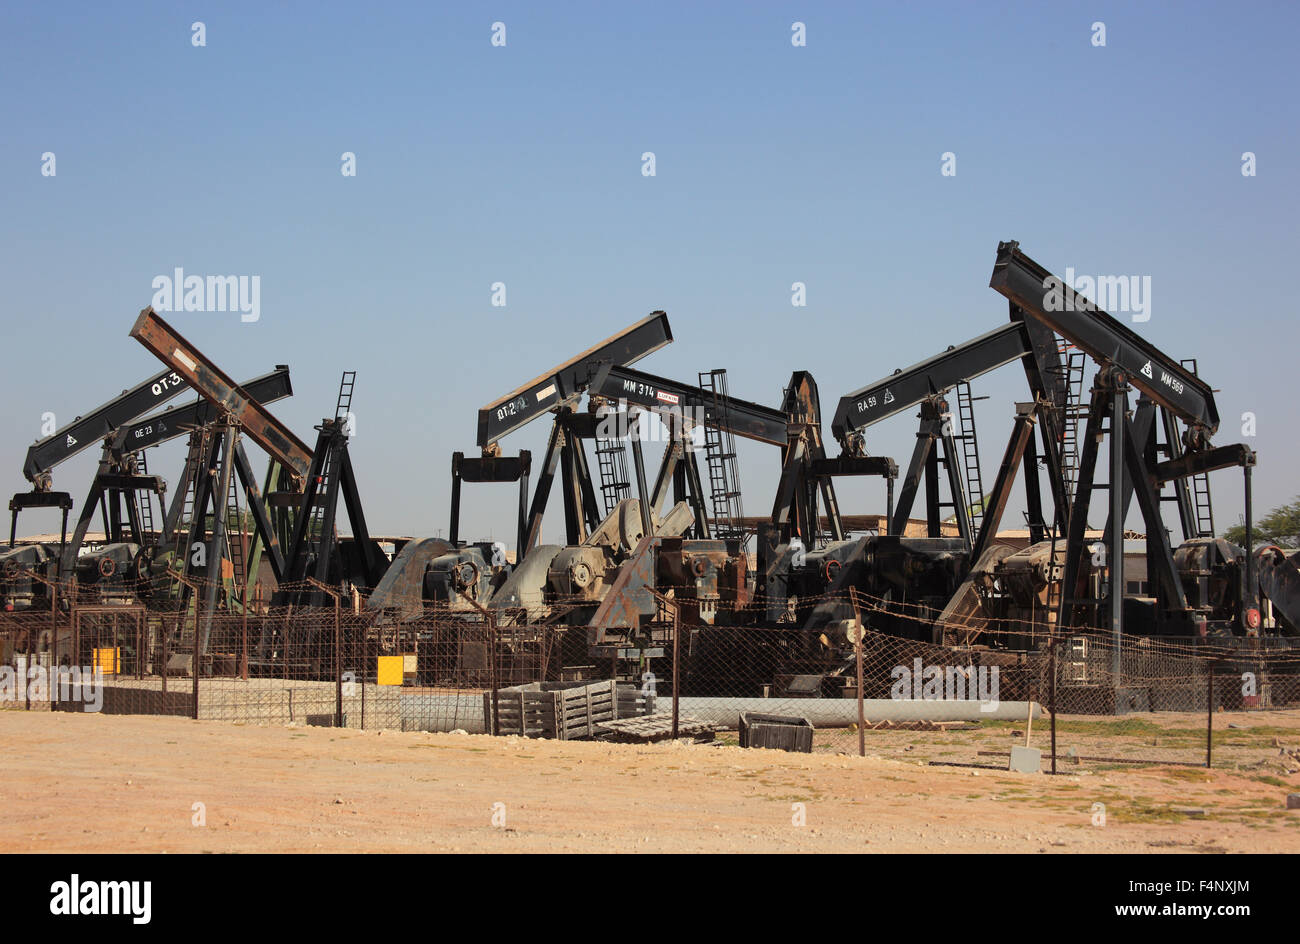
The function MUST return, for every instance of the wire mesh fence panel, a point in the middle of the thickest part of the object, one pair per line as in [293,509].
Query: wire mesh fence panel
[838,673]
[26,644]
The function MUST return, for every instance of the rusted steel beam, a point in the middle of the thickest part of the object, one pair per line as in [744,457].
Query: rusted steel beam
[211,383]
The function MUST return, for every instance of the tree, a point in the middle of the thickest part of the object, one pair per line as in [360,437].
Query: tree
[1280,526]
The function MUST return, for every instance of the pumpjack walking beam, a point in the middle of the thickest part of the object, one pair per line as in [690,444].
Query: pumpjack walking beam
[683,406]
[1125,359]
[1107,340]
[117,479]
[752,421]
[566,383]
[217,388]
[925,384]
[558,392]
[84,431]
[328,464]
[795,428]
[910,386]
[92,427]
[177,421]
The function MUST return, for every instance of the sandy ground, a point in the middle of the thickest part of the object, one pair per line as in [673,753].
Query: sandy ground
[95,783]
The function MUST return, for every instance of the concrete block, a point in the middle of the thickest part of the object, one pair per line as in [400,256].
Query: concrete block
[1026,760]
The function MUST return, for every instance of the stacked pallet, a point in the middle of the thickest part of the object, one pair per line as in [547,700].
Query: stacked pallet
[562,710]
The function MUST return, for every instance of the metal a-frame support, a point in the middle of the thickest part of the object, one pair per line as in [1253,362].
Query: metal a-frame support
[114,483]
[1018,452]
[680,468]
[935,428]
[565,453]
[1127,441]
[329,477]
[1048,378]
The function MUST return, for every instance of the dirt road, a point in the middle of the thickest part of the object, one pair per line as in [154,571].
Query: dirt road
[97,783]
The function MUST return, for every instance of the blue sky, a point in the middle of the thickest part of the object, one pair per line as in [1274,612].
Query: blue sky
[522,164]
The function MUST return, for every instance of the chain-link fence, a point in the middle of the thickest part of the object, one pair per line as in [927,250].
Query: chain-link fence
[851,674]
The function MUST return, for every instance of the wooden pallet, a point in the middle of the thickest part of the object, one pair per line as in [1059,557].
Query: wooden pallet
[561,710]
[657,727]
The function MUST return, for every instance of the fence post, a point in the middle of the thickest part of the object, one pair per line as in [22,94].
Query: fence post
[76,639]
[857,654]
[496,681]
[54,631]
[25,680]
[338,667]
[1209,715]
[677,625]
[195,662]
[1051,695]
[243,635]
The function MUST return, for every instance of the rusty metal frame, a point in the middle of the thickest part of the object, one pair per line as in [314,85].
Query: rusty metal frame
[214,385]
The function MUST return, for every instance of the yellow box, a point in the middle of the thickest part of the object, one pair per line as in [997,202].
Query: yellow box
[109,661]
[389,670]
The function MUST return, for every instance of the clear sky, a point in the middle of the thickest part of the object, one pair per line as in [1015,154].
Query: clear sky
[522,164]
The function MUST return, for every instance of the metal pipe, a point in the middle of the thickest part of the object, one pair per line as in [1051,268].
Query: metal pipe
[465,710]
